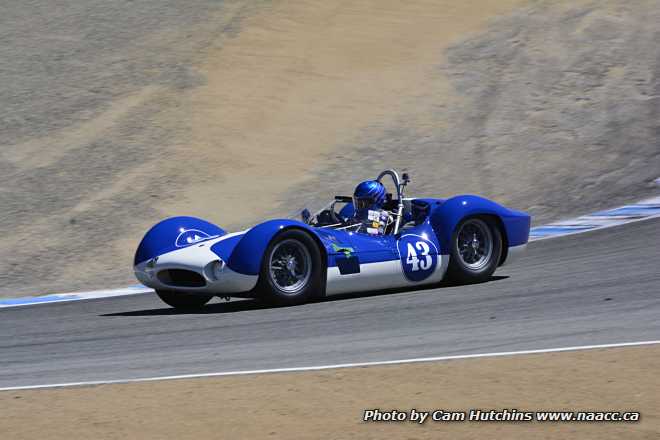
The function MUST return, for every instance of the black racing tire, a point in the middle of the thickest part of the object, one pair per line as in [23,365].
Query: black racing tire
[476,247]
[282,284]
[183,300]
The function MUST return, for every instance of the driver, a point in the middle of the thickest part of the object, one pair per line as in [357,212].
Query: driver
[368,200]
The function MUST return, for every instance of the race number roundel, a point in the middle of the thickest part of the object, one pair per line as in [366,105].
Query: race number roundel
[419,256]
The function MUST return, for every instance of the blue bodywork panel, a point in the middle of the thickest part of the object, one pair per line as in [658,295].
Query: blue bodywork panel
[445,215]
[244,253]
[175,233]
[347,211]
[247,254]
[225,248]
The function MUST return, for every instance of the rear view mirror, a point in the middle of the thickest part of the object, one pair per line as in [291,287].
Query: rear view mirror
[305,215]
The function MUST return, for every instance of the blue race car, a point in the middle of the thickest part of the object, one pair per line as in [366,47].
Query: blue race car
[371,240]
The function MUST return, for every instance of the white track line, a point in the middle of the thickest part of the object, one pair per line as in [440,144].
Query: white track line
[335,366]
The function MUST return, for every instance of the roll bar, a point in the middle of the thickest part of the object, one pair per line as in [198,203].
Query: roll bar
[400,185]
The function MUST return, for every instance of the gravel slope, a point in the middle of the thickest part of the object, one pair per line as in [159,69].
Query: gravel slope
[115,115]
[87,147]
[556,110]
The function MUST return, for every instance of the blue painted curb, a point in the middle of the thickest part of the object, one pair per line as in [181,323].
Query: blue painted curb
[598,220]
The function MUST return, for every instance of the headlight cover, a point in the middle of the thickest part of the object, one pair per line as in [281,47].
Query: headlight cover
[217,268]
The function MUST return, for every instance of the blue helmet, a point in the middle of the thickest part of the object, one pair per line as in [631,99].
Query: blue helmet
[369,194]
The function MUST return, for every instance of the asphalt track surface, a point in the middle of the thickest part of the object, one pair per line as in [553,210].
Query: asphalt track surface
[593,288]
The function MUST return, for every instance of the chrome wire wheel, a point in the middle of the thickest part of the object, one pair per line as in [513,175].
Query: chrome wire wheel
[290,266]
[475,244]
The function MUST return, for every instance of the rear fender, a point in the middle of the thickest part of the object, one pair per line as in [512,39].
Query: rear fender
[448,215]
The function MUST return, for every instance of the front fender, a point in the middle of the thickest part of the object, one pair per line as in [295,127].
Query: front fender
[449,214]
[248,252]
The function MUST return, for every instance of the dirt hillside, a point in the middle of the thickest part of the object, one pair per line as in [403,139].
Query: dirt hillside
[555,109]
[117,115]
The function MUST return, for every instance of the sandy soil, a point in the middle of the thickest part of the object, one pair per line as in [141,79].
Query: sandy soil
[215,115]
[556,114]
[301,81]
[117,115]
[330,404]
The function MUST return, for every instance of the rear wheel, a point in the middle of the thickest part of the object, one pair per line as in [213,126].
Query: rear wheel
[291,269]
[475,250]
[183,300]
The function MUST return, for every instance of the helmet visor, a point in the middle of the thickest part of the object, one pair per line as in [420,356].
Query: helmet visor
[363,202]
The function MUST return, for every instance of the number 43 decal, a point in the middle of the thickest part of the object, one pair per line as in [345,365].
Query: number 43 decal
[419,264]
[419,257]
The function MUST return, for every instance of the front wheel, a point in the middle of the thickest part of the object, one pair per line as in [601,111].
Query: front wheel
[475,250]
[183,300]
[291,269]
